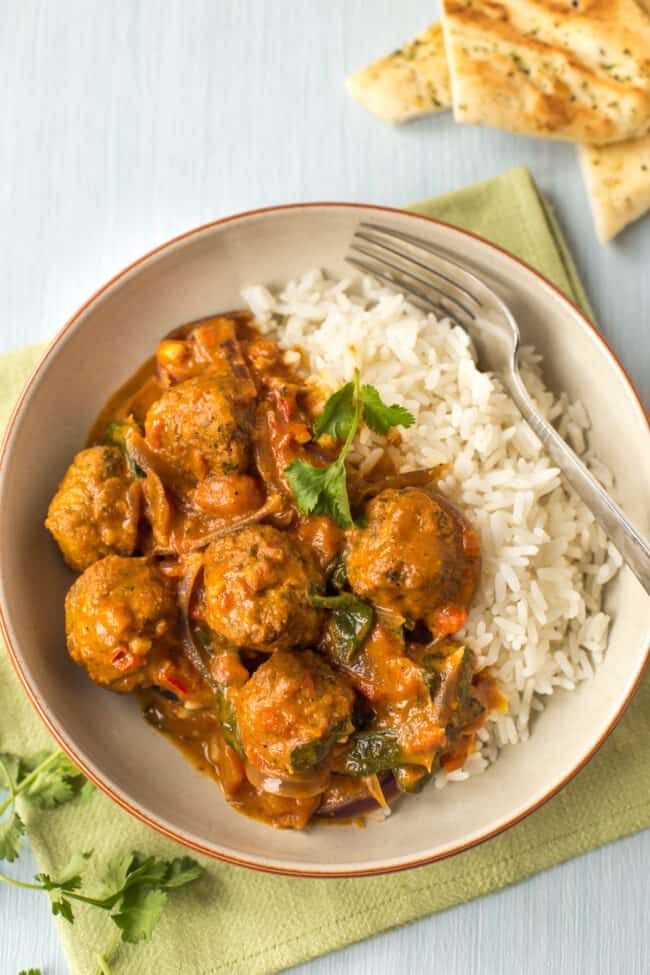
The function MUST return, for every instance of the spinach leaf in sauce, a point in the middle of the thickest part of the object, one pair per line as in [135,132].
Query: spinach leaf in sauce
[348,625]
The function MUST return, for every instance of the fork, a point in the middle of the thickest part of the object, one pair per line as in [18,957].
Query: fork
[434,282]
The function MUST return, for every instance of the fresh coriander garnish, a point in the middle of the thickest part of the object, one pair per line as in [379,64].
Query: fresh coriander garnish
[339,413]
[46,779]
[133,888]
[379,416]
[323,490]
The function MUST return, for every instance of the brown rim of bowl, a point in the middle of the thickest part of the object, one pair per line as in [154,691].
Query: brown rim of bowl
[134,810]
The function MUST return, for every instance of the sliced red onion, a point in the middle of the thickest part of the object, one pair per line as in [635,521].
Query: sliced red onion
[193,569]
[360,803]
[272,506]
[420,477]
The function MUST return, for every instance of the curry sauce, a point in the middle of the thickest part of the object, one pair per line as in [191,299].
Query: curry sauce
[303,658]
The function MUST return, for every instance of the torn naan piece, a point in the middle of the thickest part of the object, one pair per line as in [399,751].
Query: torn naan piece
[410,82]
[557,69]
[618,182]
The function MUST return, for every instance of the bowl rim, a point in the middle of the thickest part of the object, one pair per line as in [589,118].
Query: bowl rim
[132,807]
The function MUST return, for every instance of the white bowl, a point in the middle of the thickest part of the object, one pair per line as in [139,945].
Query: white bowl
[198,274]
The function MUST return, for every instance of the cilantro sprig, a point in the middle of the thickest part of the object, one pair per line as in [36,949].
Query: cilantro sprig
[323,490]
[45,779]
[133,888]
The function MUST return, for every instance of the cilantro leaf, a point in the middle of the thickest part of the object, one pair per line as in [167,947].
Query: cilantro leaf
[141,895]
[379,416]
[324,490]
[182,871]
[12,829]
[139,913]
[67,768]
[113,875]
[70,877]
[152,871]
[338,414]
[133,887]
[51,792]
[307,483]
[57,784]
[68,882]
[73,882]
[321,490]
[146,870]
[335,502]
[63,907]
[87,791]
[9,771]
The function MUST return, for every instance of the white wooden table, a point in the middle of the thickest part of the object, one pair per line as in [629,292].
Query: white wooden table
[123,124]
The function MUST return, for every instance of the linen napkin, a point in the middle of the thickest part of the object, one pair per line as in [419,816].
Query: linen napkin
[239,922]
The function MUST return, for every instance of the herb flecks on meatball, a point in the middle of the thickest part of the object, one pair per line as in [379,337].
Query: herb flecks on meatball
[121,621]
[95,511]
[292,711]
[257,585]
[417,557]
[201,427]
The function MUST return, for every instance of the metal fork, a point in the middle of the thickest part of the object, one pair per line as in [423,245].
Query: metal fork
[435,283]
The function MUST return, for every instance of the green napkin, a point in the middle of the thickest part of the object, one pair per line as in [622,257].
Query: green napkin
[239,922]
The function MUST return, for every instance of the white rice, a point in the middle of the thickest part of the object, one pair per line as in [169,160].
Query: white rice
[537,619]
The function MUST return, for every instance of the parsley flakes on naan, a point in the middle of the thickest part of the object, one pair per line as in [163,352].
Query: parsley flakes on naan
[618,182]
[560,69]
[410,82]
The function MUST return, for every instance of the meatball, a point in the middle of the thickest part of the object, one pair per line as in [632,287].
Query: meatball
[96,509]
[292,711]
[121,621]
[417,557]
[201,427]
[256,590]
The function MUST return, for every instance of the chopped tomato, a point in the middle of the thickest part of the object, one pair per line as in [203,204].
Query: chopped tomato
[450,619]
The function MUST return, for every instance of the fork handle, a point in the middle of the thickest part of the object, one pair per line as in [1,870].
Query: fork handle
[632,547]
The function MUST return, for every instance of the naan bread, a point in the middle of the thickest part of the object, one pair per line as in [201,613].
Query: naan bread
[560,69]
[618,182]
[410,82]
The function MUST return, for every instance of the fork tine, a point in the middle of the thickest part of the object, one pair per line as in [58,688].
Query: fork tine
[416,296]
[408,259]
[448,263]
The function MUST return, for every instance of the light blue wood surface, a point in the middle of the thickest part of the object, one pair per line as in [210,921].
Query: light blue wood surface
[123,124]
